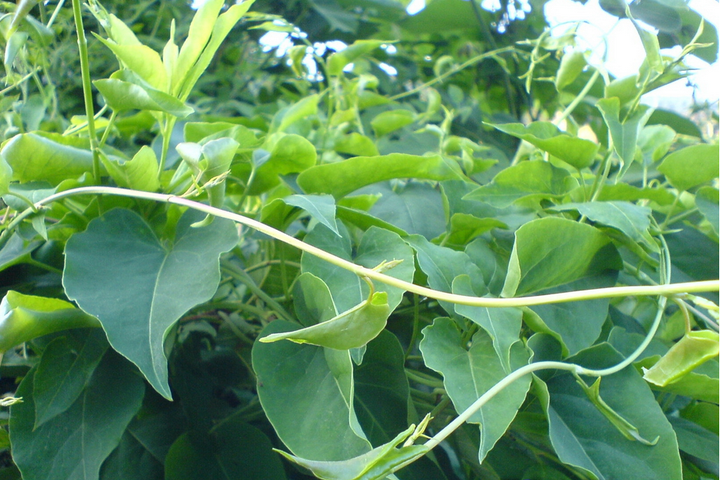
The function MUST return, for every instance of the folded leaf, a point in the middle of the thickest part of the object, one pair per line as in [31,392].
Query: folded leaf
[694,349]
[351,329]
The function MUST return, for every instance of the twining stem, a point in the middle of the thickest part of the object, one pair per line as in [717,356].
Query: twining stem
[669,289]
[87,87]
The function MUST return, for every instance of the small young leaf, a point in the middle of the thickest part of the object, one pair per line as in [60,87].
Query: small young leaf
[313,300]
[571,65]
[351,329]
[388,122]
[694,349]
[143,61]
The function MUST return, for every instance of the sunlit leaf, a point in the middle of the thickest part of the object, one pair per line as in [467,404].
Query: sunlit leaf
[691,166]
[692,350]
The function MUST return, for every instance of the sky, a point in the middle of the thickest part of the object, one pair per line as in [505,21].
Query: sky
[625,49]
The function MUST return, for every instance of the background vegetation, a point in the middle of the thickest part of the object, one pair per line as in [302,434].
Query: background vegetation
[406,191]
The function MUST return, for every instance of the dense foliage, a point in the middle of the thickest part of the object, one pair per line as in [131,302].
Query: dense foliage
[326,238]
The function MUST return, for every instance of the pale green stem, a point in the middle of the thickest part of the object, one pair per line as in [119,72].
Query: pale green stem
[579,98]
[688,287]
[87,87]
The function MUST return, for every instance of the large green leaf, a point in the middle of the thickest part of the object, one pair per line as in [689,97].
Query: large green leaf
[65,368]
[442,265]
[320,207]
[131,460]
[706,201]
[24,317]
[576,325]
[546,136]
[143,61]
[138,285]
[468,373]
[695,440]
[233,450]
[632,220]
[584,437]
[48,157]
[303,400]
[339,179]
[415,208]
[534,178]
[73,444]
[551,251]
[691,166]
[376,246]
[502,324]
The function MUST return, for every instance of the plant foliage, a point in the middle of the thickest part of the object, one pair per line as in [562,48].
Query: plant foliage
[434,246]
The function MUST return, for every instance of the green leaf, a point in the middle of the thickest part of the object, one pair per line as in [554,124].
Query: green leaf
[73,444]
[536,179]
[339,179]
[340,60]
[546,136]
[357,145]
[502,324]
[464,228]
[695,440]
[24,317]
[654,141]
[582,436]
[691,166]
[298,111]
[376,246]
[312,300]
[351,329]
[571,65]
[296,382]
[415,208]
[320,207]
[391,120]
[288,154]
[233,450]
[442,265]
[16,251]
[576,325]
[47,157]
[6,174]
[140,173]
[122,95]
[551,251]
[469,373]
[131,460]
[201,28]
[694,349]
[624,133]
[138,285]
[64,371]
[632,220]
[182,84]
[625,192]
[143,61]
[651,46]
[706,200]
[376,464]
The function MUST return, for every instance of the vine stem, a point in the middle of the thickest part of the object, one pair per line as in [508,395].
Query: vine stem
[669,289]
[87,87]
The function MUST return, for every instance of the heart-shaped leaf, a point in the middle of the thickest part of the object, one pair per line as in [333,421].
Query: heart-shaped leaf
[138,285]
